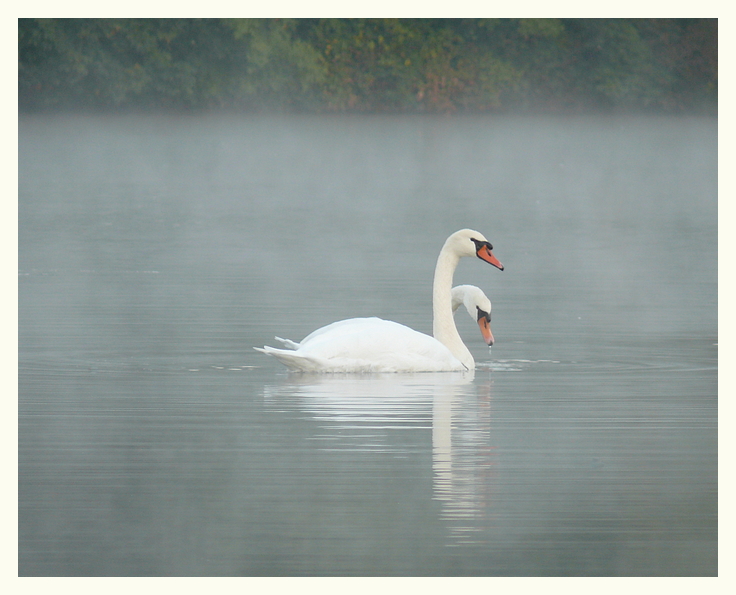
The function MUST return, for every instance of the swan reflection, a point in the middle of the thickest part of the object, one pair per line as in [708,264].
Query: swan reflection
[463,461]
[367,412]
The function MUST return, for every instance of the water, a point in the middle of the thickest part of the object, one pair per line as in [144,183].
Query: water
[154,252]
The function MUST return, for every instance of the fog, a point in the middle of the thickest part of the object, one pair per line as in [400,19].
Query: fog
[156,251]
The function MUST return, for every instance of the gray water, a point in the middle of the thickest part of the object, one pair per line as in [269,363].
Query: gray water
[154,252]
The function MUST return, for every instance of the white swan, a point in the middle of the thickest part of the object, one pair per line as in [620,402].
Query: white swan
[478,306]
[475,301]
[376,345]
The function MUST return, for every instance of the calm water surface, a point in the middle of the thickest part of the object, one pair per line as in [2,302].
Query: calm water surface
[155,252]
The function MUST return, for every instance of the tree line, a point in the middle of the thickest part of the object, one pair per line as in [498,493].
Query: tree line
[369,65]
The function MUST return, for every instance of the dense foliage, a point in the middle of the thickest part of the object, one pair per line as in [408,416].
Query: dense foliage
[369,65]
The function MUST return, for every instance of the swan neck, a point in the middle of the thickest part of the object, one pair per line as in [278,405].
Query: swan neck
[443,328]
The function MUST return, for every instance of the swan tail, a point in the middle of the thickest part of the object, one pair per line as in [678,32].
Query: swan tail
[290,359]
[288,342]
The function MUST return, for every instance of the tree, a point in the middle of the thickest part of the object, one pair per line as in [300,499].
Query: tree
[369,65]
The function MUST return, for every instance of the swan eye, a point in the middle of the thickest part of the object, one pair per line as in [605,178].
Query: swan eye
[482,314]
[479,244]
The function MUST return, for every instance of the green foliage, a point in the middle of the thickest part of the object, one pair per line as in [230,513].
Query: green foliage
[369,65]
[277,67]
[543,28]
[116,62]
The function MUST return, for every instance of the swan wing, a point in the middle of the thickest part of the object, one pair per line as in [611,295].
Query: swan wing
[288,342]
[340,328]
[368,345]
[293,360]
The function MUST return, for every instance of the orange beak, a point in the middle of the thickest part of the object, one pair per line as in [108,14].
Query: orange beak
[484,253]
[485,330]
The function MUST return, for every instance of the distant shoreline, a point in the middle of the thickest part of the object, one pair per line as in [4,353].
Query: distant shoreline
[381,66]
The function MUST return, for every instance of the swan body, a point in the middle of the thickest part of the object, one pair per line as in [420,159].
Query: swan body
[366,345]
[376,345]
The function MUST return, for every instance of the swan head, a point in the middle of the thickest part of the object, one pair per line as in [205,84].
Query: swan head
[478,306]
[468,242]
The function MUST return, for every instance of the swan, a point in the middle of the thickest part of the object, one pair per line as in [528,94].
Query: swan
[478,306]
[475,301]
[376,345]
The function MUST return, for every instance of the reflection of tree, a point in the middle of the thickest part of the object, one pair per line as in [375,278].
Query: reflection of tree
[365,412]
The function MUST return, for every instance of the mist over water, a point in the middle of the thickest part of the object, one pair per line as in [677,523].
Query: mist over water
[155,252]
